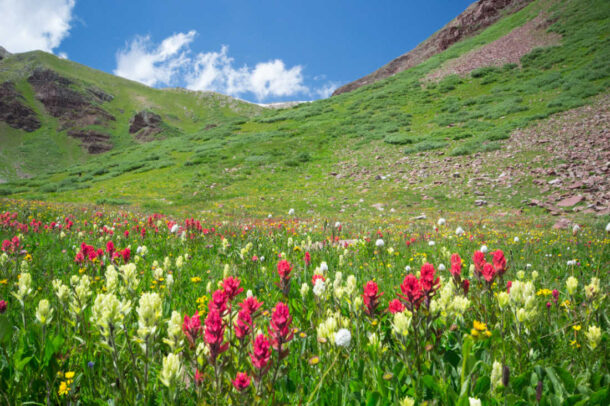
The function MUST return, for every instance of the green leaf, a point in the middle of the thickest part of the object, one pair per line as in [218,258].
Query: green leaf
[566,378]
[51,347]
[373,398]
[430,383]
[482,385]
[5,329]
[557,387]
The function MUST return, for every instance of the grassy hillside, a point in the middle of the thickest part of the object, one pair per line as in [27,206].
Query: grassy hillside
[49,148]
[377,144]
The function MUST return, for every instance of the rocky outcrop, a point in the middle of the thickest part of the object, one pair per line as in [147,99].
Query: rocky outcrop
[145,125]
[4,53]
[475,18]
[95,142]
[74,110]
[14,111]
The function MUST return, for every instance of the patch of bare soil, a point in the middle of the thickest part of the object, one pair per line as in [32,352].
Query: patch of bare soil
[508,49]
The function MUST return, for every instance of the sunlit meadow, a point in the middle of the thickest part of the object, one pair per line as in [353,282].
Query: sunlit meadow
[109,307]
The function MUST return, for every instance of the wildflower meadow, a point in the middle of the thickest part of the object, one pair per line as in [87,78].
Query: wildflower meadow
[111,307]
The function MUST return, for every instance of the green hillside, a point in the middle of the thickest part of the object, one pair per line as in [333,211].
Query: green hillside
[382,143]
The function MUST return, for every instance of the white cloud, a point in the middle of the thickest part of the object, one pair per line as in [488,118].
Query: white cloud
[142,62]
[27,25]
[172,62]
[326,90]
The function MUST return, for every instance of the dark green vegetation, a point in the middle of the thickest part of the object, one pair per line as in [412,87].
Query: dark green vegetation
[285,156]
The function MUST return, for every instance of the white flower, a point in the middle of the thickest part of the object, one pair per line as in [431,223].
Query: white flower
[528,265]
[304,290]
[484,249]
[343,338]
[459,231]
[408,268]
[516,239]
[149,312]
[337,224]
[496,375]
[575,229]
[571,262]
[319,288]
[402,322]
[608,228]
[171,370]
[61,290]
[291,212]
[594,336]
[323,267]
[44,312]
[431,243]
[174,228]
[441,222]
[441,267]
[407,401]
[269,216]
[379,243]
[474,402]
[571,284]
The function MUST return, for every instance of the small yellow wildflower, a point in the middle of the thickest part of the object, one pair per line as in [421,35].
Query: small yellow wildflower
[479,326]
[195,279]
[63,388]
[577,327]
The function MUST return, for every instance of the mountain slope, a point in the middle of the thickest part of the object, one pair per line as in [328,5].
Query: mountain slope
[54,113]
[474,19]
[407,142]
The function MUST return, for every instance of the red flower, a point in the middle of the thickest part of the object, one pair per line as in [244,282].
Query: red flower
[456,265]
[251,304]
[371,297]
[307,259]
[241,381]
[280,326]
[2,306]
[411,290]
[465,286]
[231,287]
[479,261]
[126,255]
[260,352]
[218,302]
[214,335]
[396,306]
[499,262]
[488,272]
[110,248]
[426,279]
[191,327]
[315,277]
[555,295]
[284,268]
[198,377]
[509,284]
[243,324]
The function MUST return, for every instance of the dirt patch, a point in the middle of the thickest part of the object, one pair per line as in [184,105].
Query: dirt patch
[145,125]
[508,49]
[13,110]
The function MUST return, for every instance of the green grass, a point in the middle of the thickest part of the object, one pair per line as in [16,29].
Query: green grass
[279,159]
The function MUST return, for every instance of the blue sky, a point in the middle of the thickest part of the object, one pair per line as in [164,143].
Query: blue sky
[258,50]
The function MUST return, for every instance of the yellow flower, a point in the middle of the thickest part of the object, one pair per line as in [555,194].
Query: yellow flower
[314,360]
[63,388]
[479,326]
[577,328]
[543,292]
[69,375]
[195,279]
[3,282]
[574,344]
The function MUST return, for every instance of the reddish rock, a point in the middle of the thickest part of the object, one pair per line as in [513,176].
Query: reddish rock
[570,201]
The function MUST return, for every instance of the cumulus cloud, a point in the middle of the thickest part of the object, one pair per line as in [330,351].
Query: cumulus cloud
[173,62]
[153,65]
[27,25]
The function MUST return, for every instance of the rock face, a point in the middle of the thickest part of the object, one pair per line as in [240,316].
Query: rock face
[475,18]
[4,53]
[74,110]
[14,112]
[145,125]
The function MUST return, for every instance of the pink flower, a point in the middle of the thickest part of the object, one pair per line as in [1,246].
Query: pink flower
[465,286]
[307,259]
[499,262]
[110,248]
[260,352]
[231,287]
[479,261]
[214,335]
[411,290]
[243,324]
[192,328]
[198,377]
[2,306]
[280,326]
[126,255]
[370,297]
[241,381]
[456,265]
[426,279]
[251,304]
[509,284]
[218,302]
[284,268]
[488,272]
[395,306]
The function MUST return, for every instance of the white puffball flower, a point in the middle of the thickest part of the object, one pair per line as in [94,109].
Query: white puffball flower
[441,222]
[337,224]
[379,243]
[291,212]
[459,231]
[431,243]
[484,249]
[576,228]
[441,267]
[474,402]
[516,239]
[608,228]
[174,228]
[408,268]
[324,267]
[343,338]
